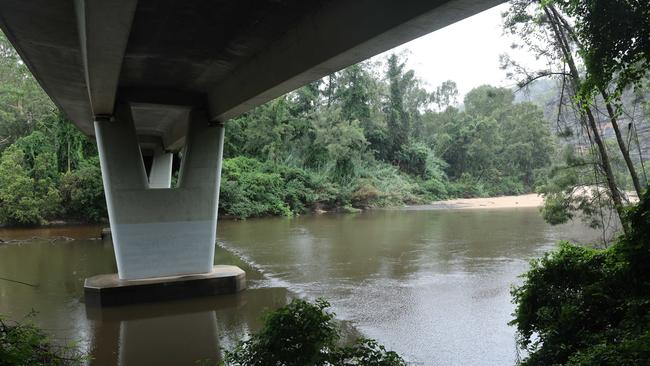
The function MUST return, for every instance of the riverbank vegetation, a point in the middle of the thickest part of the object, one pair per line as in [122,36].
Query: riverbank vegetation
[25,344]
[578,305]
[305,333]
[370,135]
[583,306]
[595,52]
[373,135]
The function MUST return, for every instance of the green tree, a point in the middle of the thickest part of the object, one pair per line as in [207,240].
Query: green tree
[615,36]
[445,95]
[27,194]
[22,102]
[82,192]
[344,142]
[546,33]
[487,100]
[397,119]
[582,306]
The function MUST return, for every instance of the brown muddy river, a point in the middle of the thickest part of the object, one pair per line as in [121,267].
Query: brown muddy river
[432,285]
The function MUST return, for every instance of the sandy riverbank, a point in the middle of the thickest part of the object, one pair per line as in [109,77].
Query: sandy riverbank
[526,200]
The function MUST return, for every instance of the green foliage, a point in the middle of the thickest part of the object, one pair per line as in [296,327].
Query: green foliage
[304,334]
[413,158]
[445,95]
[47,173]
[40,152]
[557,209]
[82,192]
[342,141]
[487,100]
[397,119]
[22,102]
[27,194]
[615,35]
[582,306]
[495,147]
[571,187]
[248,191]
[25,344]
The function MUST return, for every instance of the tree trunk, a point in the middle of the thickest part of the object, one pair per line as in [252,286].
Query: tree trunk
[621,144]
[68,155]
[585,110]
[610,111]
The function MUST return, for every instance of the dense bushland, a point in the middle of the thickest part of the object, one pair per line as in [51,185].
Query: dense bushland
[367,137]
[582,306]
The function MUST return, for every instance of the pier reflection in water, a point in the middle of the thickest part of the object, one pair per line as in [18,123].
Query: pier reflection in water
[178,332]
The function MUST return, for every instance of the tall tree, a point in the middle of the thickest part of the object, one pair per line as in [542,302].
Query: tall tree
[396,116]
[543,33]
[22,102]
[612,111]
[615,35]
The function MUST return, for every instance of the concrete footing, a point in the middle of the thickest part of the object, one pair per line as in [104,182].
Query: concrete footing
[110,290]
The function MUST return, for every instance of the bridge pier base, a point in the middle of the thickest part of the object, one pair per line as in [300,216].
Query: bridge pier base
[159,231]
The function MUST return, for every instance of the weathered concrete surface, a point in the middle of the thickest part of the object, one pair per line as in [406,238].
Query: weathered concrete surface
[161,232]
[110,290]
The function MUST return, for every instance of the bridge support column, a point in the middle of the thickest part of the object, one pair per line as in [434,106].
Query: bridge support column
[161,169]
[161,232]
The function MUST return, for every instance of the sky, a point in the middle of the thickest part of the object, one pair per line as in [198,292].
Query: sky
[466,52]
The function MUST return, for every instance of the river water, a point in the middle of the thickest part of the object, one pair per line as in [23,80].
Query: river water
[432,285]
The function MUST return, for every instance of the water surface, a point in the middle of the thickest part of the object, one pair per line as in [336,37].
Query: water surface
[432,285]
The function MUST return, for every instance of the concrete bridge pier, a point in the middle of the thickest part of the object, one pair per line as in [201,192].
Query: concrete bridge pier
[161,169]
[162,234]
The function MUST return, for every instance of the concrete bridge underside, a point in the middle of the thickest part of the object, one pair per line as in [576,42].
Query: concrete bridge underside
[158,76]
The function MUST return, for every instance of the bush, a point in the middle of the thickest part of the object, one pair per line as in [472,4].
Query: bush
[26,198]
[413,157]
[556,209]
[25,344]
[82,192]
[434,189]
[248,191]
[467,187]
[251,188]
[304,334]
[582,306]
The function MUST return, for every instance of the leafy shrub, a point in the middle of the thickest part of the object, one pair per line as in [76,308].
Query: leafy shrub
[248,191]
[365,195]
[466,187]
[251,188]
[413,157]
[434,189]
[304,334]
[300,188]
[582,306]
[82,192]
[506,186]
[556,209]
[25,344]
[27,195]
